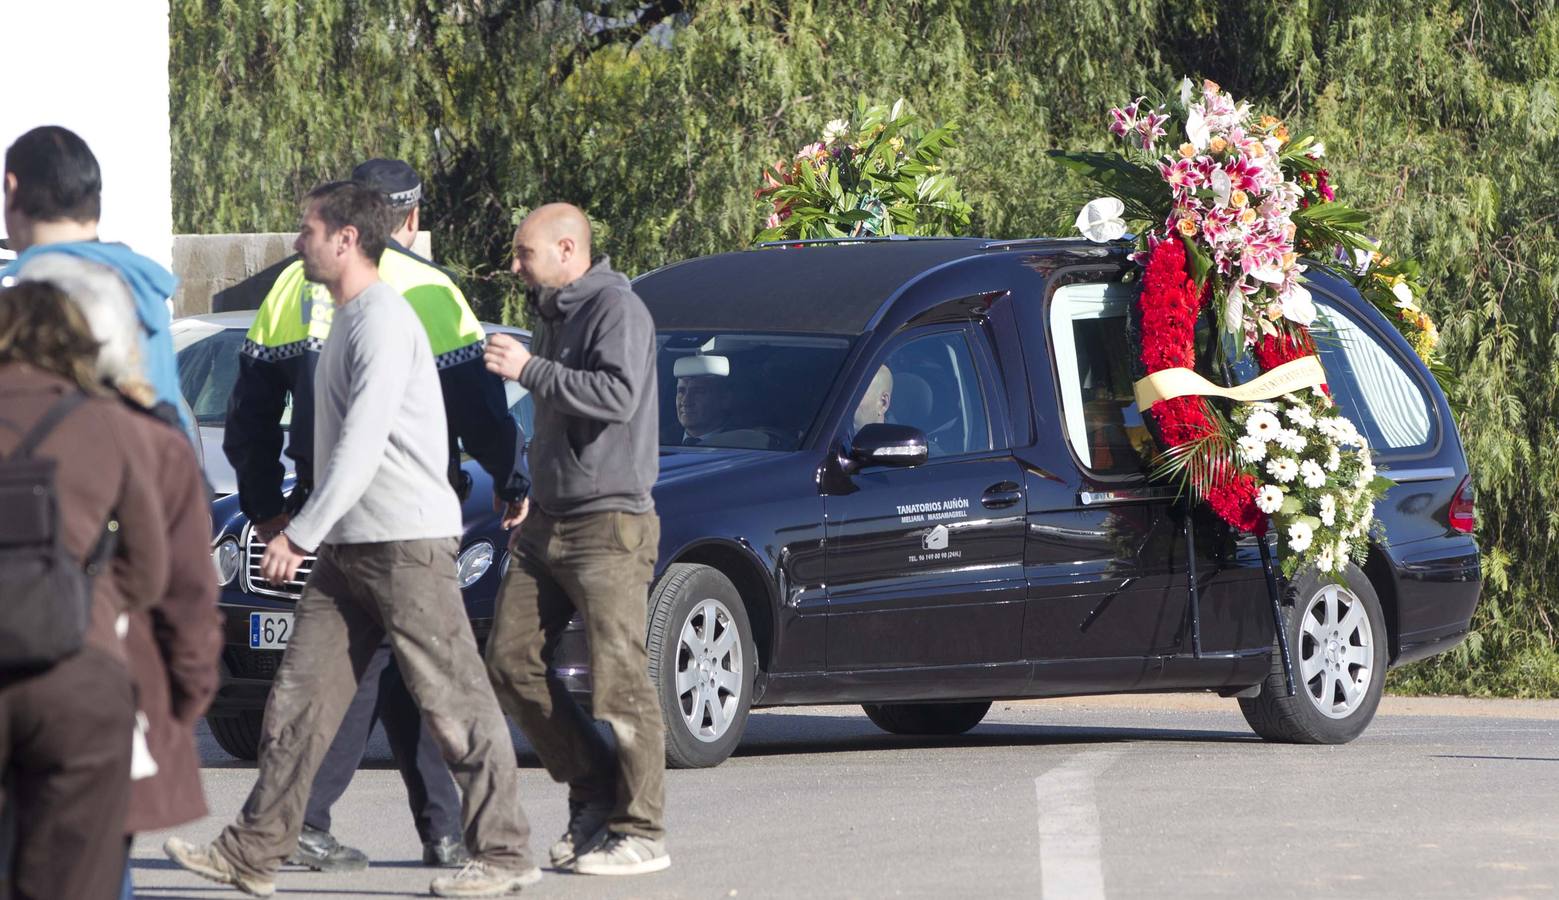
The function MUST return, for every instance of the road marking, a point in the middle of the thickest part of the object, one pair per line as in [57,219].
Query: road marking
[1069,841]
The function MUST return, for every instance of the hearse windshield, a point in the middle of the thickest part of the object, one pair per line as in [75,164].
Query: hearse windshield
[743,389]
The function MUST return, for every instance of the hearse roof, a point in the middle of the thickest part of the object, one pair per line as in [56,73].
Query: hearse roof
[820,287]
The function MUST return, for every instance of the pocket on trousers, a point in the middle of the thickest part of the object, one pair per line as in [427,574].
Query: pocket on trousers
[632,532]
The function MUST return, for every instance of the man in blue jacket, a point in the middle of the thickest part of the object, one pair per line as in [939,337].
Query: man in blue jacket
[53,200]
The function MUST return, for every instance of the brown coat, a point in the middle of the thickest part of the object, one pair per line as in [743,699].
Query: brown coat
[174,645]
[102,457]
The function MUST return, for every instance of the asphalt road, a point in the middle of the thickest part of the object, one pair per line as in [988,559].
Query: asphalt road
[1107,797]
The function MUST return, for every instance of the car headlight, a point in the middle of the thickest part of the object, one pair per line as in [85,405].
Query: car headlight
[473,563]
[225,556]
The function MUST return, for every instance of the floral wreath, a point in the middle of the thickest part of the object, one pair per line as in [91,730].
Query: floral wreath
[1244,205]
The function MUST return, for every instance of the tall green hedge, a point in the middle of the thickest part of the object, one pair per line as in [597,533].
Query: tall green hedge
[1440,118]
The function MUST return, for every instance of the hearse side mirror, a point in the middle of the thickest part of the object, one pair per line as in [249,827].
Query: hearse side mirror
[884,444]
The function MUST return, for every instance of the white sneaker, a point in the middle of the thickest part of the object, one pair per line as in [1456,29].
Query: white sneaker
[478,879]
[624,854]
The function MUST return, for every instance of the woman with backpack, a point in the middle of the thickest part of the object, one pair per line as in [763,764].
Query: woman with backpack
[172,644]
[83,539]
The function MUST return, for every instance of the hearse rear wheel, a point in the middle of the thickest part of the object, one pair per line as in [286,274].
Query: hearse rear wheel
[926,718]
[702,662]
[1337,638]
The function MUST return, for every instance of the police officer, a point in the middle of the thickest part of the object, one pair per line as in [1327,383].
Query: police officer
[278,359]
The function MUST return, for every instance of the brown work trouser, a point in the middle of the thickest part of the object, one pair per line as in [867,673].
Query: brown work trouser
[601,565]
[65,751]
[356,596]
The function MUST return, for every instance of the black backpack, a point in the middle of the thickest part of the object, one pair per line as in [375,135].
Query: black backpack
[45,594]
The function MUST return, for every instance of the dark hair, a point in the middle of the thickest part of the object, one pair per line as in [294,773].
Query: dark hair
[41,326]
[57,177]
[343,203]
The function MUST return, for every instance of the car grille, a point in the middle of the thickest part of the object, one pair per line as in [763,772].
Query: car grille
[254,583]
[245,663]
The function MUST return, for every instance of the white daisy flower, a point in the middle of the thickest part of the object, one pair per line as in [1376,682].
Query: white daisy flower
[1341,554]
[1299,537]
[1328,510]
[1263,425]
[1333,458]
[1269,499]
[1252,449]
[1312,475]
[1291,440]
[1324,560]
[1300,416]
[1283,469]
[1366,475]
[1334,427]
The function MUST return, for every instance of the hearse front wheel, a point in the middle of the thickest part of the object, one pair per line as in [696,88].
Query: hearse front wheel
[926,718]
[702,662]
[1337,637]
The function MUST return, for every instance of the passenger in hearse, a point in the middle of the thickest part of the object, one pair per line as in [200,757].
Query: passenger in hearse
[710,406]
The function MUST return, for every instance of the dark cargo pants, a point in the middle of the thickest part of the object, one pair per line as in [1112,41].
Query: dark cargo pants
[357,595]
[601,565]
[65,751]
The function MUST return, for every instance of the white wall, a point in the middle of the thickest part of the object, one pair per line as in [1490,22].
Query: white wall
[99,68]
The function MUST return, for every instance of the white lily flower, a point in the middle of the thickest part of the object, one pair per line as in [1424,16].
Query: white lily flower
[1299,306]
[1185,93]
[1197,129]
[1404,295]
[1317,150]
[1100,220]
[1219,181]
[1234,310]
[1272,274]
[898,109]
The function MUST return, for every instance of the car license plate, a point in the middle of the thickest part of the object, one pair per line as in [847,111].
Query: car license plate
[269,631]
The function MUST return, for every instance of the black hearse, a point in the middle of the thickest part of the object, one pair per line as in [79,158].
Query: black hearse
[987,530]
[911,477]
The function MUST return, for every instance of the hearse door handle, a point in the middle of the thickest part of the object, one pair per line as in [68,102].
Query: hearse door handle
[1001,495]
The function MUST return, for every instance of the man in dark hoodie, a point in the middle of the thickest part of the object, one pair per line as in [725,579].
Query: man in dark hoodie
[587,540]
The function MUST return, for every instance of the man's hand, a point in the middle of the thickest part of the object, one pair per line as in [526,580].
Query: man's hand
[271,527]
[514,513]
[505,356]
[282,558]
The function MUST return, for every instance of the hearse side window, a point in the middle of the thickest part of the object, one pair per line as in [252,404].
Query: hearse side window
[1093,372]
[1371,384]
[936,388]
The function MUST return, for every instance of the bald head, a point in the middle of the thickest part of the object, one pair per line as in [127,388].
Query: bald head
[552,246]
[874,403]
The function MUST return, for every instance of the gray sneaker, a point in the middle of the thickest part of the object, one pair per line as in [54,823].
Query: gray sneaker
[624,854]
[586,831]
[479,879]
[207,861]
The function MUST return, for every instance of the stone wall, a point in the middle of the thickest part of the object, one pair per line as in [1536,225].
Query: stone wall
[207,263]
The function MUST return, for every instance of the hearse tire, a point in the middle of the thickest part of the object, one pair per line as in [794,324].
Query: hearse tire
[239,734]
[702,663]
[1337,638]
[926,718]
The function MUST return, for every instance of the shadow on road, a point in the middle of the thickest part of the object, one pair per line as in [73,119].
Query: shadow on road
[782,735]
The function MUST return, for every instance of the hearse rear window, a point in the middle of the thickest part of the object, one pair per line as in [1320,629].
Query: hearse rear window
[1372,385]
[1093,369]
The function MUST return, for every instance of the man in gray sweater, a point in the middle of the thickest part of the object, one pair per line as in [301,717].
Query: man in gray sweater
[587,541]
[386,524]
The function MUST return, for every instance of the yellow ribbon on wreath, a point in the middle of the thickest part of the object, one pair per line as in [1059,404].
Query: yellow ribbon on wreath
[1291,376]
